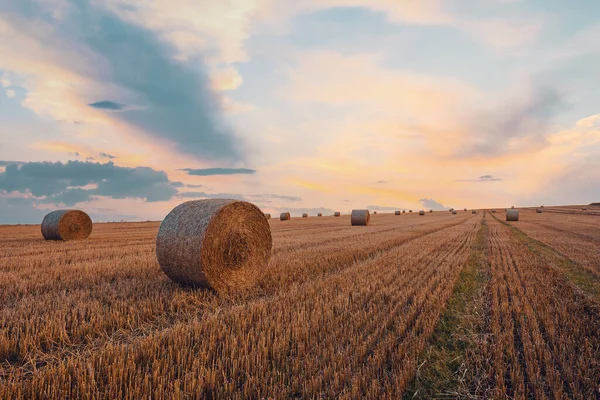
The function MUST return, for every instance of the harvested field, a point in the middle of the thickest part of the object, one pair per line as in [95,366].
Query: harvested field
[338,312]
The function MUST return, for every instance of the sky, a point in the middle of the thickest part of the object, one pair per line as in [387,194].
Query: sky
[127,108]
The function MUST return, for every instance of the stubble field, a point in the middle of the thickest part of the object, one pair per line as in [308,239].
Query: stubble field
[439,305]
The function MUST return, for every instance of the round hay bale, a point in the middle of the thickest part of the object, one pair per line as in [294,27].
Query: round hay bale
[319,214]
[214,243]
[66,225]
[421,212]
[465,209]
[360,217]
[304,215]
[268,216]
[453,212]
[337,214]
[430,211]
[409,211]
[396,212]
[374,212]
[512,215]
[403,211]
[284,216]
[512,207]
[539,210]
[473,212]
[493,211]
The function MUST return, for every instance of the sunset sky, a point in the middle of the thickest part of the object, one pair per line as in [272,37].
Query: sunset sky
[126,108]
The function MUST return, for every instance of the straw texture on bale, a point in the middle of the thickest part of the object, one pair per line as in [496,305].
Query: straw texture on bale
[66,225]
[215,243]
[421,212]
[539,211]
[512,215]
[360,217]
[268,216]
[284,216]
[337,214]
[319,214]
[304,215]
[396,212]
[453,212]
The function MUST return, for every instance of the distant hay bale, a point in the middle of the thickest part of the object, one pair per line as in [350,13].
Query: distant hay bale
[319,214]
[453,212]
[409,211]
[465,209]
[66,225]
[304,215]
[337,214]
[473,212]
[284,216]
[512,207]
[430,211]
[214,243]
[452,209]
[421,212]
[360,217]
[494,211]
[374,212]
[512,215]
[397,212]
[403,211]
[539,210]
[268,216]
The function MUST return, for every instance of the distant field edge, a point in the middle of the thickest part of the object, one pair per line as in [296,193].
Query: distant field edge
[445,367]
[580,277]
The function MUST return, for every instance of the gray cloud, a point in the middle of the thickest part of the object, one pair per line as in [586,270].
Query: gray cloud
[167,98]
[20,211]
[529,120]
[381,182]
[107,105]
[432,204]
[192,186]
[61,183]
[217,171]
[483,178]
[106,155]
[200,195]
[277,196]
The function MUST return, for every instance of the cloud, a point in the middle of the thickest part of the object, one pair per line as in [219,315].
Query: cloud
[76,181]
[277,196]
[432,204]
[106,155]
[203,195]
[107,105]
[381,182]
[218,171]
[171,101]
[483,178]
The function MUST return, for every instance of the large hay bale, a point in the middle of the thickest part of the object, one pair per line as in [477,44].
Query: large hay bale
[304,215]
[215,243]
[337,214]
[454,212]
[66,225]
[360,217]
[512,215]
[284,216]
[267,215]
[319,214]
[421,212]
[397,212]
[539,210]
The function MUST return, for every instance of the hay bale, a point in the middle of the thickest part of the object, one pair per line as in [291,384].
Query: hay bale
[403,211]
[397,212]
[430,211]
[473,212]
[539,210]
[304,215]
[512,207]
[214,243]
[66,225]
[360,217]
[268,216]
[319,214]
[421,212]
[512,215]
[409,211]
[337,214]
[374,212]
[284,216]
[493,211]
[465,209]
[453,212]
